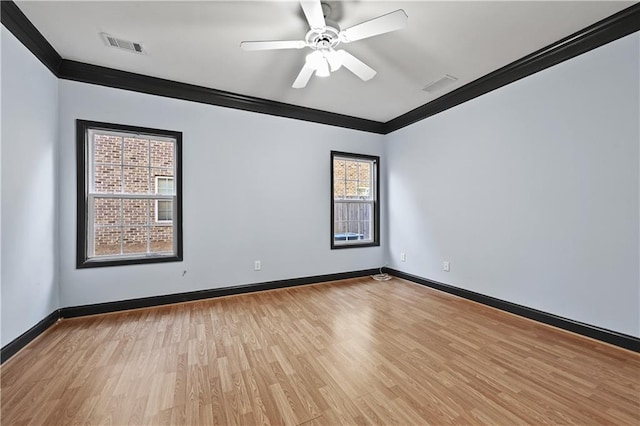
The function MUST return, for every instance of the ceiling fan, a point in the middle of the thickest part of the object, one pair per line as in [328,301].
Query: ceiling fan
[324,36]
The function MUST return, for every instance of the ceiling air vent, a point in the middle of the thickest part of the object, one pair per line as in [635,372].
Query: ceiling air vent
[440,84]
[119,43]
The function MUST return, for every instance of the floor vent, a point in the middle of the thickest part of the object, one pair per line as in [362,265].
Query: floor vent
[119,43]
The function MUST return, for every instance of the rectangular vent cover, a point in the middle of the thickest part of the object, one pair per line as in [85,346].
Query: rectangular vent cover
[440,84]
[123,44]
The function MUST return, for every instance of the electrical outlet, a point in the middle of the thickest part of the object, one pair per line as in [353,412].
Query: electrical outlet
[446,266]
[403,257]
[257,265]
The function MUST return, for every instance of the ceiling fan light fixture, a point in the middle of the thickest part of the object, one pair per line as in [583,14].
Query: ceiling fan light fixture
[323,69]
[335,59]
[314,59]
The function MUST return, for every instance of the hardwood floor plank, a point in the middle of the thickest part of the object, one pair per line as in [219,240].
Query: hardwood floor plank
[287,415]
[350,352]
[342,407]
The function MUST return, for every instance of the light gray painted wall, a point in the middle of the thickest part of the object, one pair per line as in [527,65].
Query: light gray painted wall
[255,187]
[530,191]
[29,285]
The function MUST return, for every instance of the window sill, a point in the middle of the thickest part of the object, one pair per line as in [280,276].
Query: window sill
[354,245]
[133,260]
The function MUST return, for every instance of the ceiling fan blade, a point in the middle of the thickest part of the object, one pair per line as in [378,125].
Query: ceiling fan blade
[356,66]
[303,77]
[272,45]
[313,11]
[382,24]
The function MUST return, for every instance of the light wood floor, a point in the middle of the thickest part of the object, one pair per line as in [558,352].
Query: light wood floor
[350,352]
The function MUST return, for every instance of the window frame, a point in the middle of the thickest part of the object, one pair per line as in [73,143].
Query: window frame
[84,168]
[376,201]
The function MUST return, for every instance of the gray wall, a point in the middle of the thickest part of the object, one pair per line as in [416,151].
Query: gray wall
[29,288]
[256,187]
[530,191]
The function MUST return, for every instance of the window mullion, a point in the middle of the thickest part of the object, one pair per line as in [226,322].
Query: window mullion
[174,213]
[89,161]
[121,226]
[131,196]
[148,218]
[149,168]
[91,225]
[122,165]
[148,226]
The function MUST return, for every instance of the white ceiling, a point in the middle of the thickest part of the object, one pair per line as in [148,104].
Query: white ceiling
[198,43]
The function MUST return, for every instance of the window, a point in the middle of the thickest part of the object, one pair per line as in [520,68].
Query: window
[164,208]
[129,195]
[354,200]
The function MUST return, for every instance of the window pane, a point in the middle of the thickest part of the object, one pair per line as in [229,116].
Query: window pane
[364,190]
[358,211]
[165,210]
[354,231]
[163,178]
[164,185]
[365,211]
[364,172]
[107,149]
[135,239]
[162,238]
[136,180]
[108,179]
[338,169]
[136,152]
[352,170]
[339,191]
[340,231]
[352,221]
[106,211]
[162,154]
[340,212]
[135,212]
[106,241]
[352,189]
[366,230]
[353,212]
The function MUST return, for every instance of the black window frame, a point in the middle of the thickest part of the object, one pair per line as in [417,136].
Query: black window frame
[376,202]
[82,152]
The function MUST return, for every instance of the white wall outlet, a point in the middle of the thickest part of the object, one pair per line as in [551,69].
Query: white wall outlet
[257,265]
[446,266]
[403,257]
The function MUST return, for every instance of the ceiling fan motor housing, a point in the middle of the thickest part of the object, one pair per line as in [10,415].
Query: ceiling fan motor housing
[323,38]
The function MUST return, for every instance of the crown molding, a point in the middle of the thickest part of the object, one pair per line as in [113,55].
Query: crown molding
[19,25]
[103,76]
[605,31]
[616,26]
